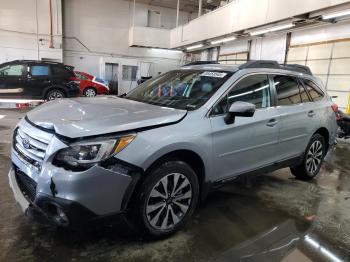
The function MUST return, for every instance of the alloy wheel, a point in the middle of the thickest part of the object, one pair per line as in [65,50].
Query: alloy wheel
[55,95]
[90,92]
[314,157]
[169,201]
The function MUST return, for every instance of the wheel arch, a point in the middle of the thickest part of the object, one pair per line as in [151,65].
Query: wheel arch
[325,133]
[190,157]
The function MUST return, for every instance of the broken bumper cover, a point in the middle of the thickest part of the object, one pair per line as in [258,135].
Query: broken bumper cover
[66,198]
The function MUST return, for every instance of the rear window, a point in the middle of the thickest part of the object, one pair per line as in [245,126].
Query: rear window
[314,91]
[287,89]
[62,71]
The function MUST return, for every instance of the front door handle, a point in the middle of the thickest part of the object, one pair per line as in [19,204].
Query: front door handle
[311,113]
[272,122]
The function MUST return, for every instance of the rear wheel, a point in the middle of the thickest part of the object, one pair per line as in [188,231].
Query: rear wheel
[166,199]
[55,94]
[90,92]
[313,158]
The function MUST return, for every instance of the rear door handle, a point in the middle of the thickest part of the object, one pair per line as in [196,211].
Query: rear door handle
[272,122]
[311,113]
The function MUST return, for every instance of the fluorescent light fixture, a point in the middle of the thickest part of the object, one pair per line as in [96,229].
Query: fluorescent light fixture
[272,29]
[223,40]
[163,49]
[336,14]
[194,47]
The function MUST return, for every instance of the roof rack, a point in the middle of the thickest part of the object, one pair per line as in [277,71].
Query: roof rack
[275,65]
[202,63]
[298,68]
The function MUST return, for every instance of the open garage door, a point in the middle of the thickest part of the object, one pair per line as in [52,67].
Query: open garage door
[330,61]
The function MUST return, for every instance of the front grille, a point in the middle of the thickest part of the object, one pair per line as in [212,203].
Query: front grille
[26,185]
[30,147]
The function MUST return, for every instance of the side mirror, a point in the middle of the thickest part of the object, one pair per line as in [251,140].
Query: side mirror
[242,109]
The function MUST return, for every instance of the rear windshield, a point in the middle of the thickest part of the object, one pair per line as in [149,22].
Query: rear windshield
[181,89]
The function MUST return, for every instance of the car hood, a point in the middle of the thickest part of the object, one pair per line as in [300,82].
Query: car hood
[82,117]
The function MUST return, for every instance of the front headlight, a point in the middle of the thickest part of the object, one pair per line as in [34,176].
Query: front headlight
[83,155]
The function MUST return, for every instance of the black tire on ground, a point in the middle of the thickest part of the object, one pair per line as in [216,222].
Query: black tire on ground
[54,94]
[157,213]
[312,159]
[90,92]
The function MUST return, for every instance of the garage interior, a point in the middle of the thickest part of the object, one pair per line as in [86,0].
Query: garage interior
[267,217]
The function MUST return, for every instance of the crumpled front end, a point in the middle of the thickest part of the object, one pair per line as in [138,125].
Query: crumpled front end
[63,196]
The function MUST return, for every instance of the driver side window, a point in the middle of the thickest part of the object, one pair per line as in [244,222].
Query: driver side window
[253,89]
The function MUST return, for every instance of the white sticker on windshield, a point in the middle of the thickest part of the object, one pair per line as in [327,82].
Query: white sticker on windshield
[214,74]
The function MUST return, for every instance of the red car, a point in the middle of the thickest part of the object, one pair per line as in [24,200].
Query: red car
[91,85]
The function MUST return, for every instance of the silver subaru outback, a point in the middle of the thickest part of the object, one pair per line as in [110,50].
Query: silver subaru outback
[153,153]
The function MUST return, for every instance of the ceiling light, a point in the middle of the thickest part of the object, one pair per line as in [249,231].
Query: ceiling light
[272,29]
[335,15]
[194,47]
[224,40]
[163,49]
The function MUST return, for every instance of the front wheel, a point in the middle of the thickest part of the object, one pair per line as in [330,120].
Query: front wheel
[167,199]
[313,158]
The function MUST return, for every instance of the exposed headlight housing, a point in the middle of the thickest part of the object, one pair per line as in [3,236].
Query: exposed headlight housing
[85,154]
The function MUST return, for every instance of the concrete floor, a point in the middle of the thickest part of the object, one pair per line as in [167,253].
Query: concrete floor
[272,217]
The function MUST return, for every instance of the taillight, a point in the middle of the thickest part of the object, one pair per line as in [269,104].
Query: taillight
[336,111]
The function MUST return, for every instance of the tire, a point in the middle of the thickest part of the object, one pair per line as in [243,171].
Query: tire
[312,160]
[159,214]
[90,92]
[54,94]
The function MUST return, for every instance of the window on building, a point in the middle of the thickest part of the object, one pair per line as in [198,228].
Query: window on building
[287,89]
[129,73]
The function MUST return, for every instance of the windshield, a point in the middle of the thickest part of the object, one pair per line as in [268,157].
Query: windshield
[181,89]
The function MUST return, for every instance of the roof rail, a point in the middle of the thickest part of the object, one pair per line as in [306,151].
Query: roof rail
[298,68]
[275,65]
[202,63]
[260,64]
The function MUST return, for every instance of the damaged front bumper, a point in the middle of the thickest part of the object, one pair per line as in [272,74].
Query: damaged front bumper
[67,198]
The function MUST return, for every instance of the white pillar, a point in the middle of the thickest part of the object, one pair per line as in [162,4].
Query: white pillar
[200,8]
[177,13]
[133,15]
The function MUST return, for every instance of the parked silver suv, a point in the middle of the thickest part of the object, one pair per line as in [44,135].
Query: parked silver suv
[156,151]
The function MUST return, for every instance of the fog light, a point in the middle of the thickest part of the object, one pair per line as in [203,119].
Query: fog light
[61,217]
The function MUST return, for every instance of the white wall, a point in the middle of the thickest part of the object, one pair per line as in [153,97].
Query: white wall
[234,47]
[149,37]
[321,33]
[104,30]
[24,30]
[269,48]
[241,15]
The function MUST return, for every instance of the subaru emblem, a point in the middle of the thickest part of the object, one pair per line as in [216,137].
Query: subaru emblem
[25,143]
